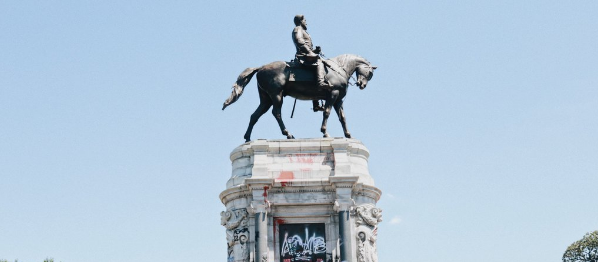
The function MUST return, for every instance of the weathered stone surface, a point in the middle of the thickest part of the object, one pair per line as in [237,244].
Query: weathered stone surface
[300,160]
[321,184]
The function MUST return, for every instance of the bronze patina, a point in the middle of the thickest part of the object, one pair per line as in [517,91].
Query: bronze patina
[306,54]
[298,79]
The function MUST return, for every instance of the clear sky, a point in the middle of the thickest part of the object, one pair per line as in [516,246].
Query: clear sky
[481,120]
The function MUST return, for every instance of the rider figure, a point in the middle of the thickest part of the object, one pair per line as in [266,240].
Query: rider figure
[305,52]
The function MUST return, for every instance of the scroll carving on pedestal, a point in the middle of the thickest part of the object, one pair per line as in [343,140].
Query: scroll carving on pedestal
[237,234]
[367,217]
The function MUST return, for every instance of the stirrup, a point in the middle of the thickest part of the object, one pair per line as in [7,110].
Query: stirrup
[325,85]
[319,106]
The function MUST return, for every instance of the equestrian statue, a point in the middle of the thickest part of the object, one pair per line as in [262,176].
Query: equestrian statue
[307,77]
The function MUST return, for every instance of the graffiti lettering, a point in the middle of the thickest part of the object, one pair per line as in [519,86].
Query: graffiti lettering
[301,249]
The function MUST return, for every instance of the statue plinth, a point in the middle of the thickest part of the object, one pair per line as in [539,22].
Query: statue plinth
[301,200]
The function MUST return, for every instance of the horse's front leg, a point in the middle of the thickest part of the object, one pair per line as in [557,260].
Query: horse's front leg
[327,107]
[276,111]
[338,107]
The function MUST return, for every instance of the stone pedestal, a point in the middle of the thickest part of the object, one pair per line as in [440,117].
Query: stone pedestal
[301,200]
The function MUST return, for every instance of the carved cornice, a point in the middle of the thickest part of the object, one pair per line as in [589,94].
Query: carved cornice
[350,146]
[343,181]
[353,147]
[245,190]
[233,193]
[302,189]
[241,151]
[259,183]
[367,191]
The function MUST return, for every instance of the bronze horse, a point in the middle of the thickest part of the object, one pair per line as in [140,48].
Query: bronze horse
[273,84]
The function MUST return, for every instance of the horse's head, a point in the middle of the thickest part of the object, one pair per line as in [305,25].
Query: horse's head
[365,72]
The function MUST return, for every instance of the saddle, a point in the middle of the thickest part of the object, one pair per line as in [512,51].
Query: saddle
[303,70]
[300,73]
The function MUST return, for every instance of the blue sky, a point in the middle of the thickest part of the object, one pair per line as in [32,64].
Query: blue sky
[480,119]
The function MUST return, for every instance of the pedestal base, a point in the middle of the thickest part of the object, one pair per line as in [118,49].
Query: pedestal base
[301,200]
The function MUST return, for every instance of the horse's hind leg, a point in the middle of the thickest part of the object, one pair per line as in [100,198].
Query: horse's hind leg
[276,111]
[265,104]
[338,107]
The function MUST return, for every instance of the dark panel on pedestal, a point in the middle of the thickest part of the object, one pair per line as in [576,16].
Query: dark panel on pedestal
[302,242]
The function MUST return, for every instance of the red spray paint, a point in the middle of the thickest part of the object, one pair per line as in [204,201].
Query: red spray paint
[285,178]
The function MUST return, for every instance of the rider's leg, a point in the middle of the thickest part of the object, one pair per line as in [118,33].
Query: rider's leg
[320,73]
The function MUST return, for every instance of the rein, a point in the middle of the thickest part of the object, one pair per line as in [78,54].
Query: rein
[332,68]
[343,68]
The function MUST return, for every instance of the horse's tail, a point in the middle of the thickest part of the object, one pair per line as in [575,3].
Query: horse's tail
[238,87]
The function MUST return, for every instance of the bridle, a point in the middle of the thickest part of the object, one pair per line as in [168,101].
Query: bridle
[346,73]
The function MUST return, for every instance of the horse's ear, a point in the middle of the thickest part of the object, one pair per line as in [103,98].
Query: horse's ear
[374,67]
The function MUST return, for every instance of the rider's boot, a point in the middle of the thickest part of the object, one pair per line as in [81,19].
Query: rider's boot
[320,73]
[316,106]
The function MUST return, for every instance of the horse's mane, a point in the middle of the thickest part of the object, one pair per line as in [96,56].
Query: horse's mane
[342,60]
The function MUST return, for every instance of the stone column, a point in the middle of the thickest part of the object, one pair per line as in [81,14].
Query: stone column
[345,236]
[261,233]
[342,205]
[260,207]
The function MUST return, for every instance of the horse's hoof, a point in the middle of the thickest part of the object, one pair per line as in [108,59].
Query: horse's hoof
[326,135]
[348,135]
[290,137]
